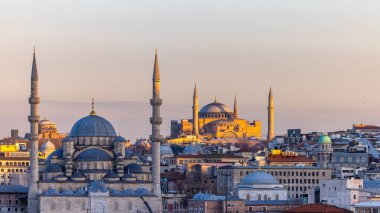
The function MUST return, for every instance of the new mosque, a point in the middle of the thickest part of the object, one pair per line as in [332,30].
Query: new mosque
[92,172]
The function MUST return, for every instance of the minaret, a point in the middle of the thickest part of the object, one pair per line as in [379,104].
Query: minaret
[34,118]
[195,112]
[270,115]
[235,108]
[156,121]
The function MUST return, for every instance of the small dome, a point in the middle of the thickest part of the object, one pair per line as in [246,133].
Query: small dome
[51,191]
[111,176]
[324,139]
[192,149]
[92,126]
[258,177]
[98,186]
[60,178]
[67,192]
[46,122]
[119,139]
[133,168]
[142,191]
[93,155]
[166,150]
[77,176]
[128,192]
[128,177]
[47,146]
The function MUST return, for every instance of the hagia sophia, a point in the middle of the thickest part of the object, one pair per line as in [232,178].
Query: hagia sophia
[216,120]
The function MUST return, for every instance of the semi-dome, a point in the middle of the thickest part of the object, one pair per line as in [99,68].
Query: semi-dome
[324,139]
[93,155]
[56,154]
[258,177]
[216,110]
[93,126]
[133,168]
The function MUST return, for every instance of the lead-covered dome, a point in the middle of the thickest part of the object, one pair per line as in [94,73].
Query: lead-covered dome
[92,126]
[215,110]
[258,177]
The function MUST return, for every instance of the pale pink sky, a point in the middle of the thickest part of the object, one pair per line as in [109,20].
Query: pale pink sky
[322,58]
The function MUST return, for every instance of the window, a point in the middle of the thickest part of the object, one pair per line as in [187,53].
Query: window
[277,197]
[68,205]
[83,206]
[116,206]
[248,197]
[259,197]
[52,206]
[265,197]
[129,205]
[165,205]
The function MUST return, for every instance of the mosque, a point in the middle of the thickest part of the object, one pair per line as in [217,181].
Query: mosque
[93,171]
[216,120]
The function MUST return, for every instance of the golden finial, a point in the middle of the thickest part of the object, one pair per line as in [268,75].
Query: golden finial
[93,107]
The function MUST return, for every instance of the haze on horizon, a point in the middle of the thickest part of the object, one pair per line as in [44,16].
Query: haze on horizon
[321,57]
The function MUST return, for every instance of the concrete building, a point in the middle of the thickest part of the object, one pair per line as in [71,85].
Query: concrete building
[297,180]
[13,198]
[343,193]
[259,186]
[202,203]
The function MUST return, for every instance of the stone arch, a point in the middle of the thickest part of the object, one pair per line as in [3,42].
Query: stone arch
[99,208]
[230,134]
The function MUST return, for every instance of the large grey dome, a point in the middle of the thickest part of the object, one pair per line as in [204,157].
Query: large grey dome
[215,107]
[258,177]
[92,125]
[216,110]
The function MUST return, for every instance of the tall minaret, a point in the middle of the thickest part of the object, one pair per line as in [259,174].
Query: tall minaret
[156,121]
[270,115]
[195,112]
[34,118]
[235,108]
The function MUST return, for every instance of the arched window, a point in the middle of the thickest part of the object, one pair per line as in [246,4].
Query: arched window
[130,207]
[265,197]
[83,206]
[277,197]
[259,197]
[248,197]
[68,205]
[116,206]
[52,205]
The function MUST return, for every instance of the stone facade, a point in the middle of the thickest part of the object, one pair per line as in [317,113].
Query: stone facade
[296,179]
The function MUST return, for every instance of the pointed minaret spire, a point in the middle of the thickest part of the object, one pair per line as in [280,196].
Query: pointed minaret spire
[34,119]
[34,66]
[156,69]
[235,108]
[195,112]
[156,121]
[270,135]
[93,107]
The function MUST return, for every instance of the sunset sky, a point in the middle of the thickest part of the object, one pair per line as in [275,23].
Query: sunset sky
[322,58]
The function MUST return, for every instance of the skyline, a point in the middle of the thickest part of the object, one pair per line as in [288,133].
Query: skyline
[323,69]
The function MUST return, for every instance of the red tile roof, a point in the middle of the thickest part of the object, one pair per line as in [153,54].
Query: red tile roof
[317,208]
[209,156]
[279,158]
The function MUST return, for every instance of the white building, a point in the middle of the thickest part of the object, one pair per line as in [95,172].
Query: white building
[343,193]
[260,185]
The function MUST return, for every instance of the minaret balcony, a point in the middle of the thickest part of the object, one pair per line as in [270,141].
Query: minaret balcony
[155,120]
[155,102]
[34,100]
[156,138]
[34,118]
